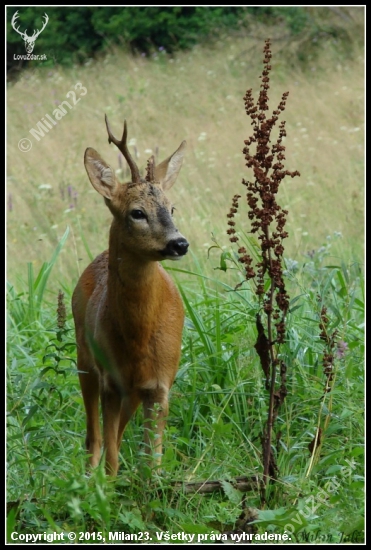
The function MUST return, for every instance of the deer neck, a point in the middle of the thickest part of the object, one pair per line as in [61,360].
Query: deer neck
[132,280]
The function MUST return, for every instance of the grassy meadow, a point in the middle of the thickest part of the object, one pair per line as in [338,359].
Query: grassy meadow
[196,97]
[56,223]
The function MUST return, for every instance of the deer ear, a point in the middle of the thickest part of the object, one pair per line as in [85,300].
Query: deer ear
[100,174]
[167,171]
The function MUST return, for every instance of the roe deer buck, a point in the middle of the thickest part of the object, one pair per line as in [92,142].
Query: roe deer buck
[128,312]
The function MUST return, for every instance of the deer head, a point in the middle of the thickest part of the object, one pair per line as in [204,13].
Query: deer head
[29,40]
[143,223]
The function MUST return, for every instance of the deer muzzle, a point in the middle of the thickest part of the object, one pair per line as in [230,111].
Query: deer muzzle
[175,249]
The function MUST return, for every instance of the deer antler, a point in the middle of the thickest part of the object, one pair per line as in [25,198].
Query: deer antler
[14,18]
[24,34]
[121,145]
[36,32]
[150,177]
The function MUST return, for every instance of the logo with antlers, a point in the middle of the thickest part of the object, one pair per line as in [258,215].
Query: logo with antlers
[29,40]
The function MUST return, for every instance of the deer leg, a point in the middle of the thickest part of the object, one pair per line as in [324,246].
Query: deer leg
[89,382]
[129,405]
[156,408]
[111,407]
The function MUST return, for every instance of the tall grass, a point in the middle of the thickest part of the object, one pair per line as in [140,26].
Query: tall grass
[217,413]
[198,97]
[218,405]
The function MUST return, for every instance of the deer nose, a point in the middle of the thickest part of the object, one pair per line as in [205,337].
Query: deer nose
[176,247]
[180,246]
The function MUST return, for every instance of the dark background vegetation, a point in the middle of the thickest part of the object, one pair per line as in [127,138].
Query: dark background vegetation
[74,34]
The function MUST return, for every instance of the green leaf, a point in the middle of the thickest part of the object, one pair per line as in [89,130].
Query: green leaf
[234,495]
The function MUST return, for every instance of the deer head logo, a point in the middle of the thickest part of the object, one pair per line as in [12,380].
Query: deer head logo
[29,40]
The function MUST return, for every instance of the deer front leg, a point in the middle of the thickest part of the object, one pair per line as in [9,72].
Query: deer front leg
[111,408]
[156,408]
[89,382]
[129,405]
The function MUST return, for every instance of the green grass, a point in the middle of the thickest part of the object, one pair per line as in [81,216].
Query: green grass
[217,413]
[219,404]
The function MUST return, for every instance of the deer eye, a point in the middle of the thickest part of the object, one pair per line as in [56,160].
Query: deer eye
[138,215]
